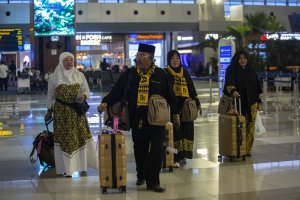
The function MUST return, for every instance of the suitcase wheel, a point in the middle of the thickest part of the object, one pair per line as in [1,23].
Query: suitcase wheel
[170,169]
[122,189]
[104,190]
[244,158]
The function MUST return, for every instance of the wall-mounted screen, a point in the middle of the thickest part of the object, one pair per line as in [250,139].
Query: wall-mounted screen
[54,17]
[11,39]
[295,22]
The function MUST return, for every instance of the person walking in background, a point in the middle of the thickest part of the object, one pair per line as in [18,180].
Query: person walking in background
[183,87]
[199,71]
[12,73]
[241,80]
[125,67]
[74,147]
[37,81]
[104,65]
[143,81]
[46,78]
[3,76]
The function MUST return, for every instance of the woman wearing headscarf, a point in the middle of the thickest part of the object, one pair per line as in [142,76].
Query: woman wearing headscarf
[73,142]
[183,87]
[241,80]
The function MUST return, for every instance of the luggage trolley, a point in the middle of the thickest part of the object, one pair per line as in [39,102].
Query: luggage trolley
[23,85]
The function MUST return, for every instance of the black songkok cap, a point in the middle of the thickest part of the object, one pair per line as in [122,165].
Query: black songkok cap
[146,48]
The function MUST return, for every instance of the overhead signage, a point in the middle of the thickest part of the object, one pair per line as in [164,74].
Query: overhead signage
[54,38]
[147,36]
[11,39]
[185,38]
[280,36]
[92,39]
[211,35]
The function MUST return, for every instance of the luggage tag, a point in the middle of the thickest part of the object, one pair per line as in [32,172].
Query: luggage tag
[115,125]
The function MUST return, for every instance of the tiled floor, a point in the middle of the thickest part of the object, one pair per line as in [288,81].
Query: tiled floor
[273,172]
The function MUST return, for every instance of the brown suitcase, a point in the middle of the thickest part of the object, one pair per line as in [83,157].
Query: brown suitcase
[232,136]
[168,153]
[112,161]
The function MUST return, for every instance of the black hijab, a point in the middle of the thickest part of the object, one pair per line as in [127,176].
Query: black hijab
[245,80]
[169,57]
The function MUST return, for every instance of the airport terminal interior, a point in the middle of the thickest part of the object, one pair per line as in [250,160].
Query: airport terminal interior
[112,30]
[272,172]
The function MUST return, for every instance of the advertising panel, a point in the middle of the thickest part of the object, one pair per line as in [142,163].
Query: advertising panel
[54,17]
[226,51]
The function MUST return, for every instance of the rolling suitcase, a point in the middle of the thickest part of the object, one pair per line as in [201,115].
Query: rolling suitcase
[232,135]
[168,148]
[112,160]
[43,144]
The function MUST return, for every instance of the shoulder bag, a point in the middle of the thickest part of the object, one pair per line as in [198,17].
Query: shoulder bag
[189,110]
[158,111]
[119,109]
[79,108]
[225,104]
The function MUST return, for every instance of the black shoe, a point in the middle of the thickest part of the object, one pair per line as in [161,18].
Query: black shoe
[156,188]
[140,181]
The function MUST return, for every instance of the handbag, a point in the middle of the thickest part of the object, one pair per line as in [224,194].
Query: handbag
[79,108]
[158,111]
[189,110]
[122,112]
[259,127]
[44,145]
[119,109]
[225,104]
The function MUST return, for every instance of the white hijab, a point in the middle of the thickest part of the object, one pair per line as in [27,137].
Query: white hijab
[63,76]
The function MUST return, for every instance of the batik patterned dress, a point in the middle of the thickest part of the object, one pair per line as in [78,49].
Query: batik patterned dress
[74,146]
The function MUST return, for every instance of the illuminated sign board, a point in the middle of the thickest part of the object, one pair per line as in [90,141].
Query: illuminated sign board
[225,59]
[226,50]
[93,39]
[54,38]
[211,35]
[11,39]
[281,36]
[185,38]
[27,47]
[147,36]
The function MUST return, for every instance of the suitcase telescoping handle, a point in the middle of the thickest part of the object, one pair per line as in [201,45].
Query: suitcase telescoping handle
[240,106]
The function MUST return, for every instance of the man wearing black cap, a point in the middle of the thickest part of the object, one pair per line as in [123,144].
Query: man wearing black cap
[143,81]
